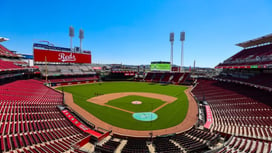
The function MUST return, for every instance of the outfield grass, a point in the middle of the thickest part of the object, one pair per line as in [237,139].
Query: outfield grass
[170,115]
[148,104]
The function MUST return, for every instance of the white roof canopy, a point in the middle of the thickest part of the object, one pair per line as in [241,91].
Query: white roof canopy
[257,41]
[3,39]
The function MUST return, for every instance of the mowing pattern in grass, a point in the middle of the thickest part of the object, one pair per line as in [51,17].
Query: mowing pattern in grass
[170,115]
[148,104]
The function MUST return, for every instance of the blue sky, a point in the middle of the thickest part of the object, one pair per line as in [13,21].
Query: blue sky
[137,31]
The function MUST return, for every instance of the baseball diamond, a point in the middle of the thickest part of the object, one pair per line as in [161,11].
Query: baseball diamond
[172,112]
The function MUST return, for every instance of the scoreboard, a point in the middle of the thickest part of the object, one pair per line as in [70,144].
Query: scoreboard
[160,66]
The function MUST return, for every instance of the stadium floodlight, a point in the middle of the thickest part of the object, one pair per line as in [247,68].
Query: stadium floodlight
[71,34]
[182,39]
[81,36]
[194,64]
[182,36]
[172,43]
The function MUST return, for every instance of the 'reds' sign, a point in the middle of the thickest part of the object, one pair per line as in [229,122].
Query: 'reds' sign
[41,55]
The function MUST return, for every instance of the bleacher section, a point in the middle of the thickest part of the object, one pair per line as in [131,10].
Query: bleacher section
[237,109]
[167,77]
[30,120]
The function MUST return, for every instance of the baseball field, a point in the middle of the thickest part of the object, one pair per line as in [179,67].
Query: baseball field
[111,102]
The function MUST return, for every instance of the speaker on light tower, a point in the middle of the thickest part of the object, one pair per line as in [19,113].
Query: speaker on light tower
[81,36]
[71,34]
[172,43]
[182,39]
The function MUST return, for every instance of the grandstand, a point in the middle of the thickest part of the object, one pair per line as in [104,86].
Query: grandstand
[250,66]
[239,98]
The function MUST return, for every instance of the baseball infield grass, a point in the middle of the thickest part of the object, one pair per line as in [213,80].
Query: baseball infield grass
[168,116]
[148,104]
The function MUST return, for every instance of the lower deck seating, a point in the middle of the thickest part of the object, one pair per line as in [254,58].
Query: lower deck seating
[237,109]
[165,145]
[195,140]
[30,120]
[135,145]
[108,147]
[240,144]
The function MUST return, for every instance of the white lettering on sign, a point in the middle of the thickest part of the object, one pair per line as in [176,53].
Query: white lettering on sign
[65,58]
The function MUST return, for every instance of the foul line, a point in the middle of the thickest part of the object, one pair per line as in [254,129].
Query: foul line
[119,108]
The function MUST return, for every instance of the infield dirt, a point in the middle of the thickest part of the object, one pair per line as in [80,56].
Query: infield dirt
[103,99]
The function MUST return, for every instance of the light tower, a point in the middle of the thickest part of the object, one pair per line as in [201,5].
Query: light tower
[81,36]
[194,64]
[71,34]
[182,38]
[172,43]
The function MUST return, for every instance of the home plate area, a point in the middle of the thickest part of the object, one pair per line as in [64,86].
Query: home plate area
[136,102]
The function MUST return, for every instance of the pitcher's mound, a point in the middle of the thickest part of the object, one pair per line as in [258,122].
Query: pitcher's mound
[136,102]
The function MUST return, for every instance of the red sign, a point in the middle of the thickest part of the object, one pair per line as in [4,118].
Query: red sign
[80,125]
[209,117]
[41,55]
